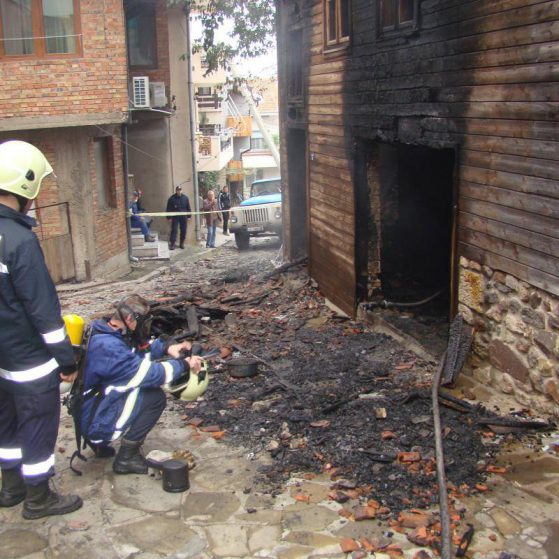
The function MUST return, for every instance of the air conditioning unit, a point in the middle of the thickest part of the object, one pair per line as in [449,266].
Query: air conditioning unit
[140,92]
[157,93]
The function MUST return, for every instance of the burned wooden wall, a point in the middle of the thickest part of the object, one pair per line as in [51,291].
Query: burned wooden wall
[475,76]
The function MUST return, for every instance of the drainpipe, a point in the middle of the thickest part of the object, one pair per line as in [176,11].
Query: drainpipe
[124,131]
[191,111]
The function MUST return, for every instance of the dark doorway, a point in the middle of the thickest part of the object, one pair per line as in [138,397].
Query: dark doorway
[404,225]
[416,194]
[297,157]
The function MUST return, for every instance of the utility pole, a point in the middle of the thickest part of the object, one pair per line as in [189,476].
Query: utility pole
[254,109]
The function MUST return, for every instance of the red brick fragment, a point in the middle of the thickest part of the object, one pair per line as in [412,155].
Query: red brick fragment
[414,519]
[364,513]
[338,496]
[409,457]
[347,545]
[210,429]
[419,536]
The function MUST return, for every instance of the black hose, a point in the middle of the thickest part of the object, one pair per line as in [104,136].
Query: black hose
[446,542]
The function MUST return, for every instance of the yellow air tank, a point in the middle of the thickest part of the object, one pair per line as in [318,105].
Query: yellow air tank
[74,327]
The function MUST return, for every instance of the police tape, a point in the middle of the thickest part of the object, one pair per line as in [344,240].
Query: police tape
[218,212]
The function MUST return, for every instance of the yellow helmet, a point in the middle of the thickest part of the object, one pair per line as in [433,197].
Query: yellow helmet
[22,168]
[192,387]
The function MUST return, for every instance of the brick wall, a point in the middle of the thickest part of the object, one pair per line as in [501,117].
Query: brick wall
[110,224]
[95,82]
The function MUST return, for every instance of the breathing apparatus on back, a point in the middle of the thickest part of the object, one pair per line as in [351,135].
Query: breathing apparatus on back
[75,326]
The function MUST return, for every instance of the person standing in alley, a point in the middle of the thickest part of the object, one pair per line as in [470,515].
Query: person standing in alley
[224,203]
[35,352]
[212,216]
[178,202]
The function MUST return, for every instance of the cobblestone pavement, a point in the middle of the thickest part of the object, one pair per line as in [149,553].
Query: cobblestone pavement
[226,513]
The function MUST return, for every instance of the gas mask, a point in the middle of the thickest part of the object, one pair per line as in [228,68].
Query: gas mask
[141,334]
[139,337]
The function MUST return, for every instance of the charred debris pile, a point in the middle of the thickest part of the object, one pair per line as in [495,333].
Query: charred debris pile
[329,394]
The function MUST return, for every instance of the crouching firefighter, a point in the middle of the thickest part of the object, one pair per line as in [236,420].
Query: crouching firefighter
[122,396]
[35,353]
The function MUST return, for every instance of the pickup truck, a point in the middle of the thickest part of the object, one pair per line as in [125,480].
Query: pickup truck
[258,215]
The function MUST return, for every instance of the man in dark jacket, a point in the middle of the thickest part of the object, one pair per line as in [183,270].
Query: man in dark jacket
[35,352]
[224,203]
[123,396]
[178,202]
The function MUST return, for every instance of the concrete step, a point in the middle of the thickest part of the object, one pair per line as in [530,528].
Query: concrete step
[138,238]
[158,250]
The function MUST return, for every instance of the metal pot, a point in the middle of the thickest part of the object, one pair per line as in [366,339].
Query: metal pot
[175,476]
[243,367]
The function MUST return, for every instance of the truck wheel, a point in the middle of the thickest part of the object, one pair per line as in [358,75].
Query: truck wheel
[242,239]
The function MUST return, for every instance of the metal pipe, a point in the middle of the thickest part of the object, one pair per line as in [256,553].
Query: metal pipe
[190,93]
[446,543]
[252,105]
[126,188]
[384,304]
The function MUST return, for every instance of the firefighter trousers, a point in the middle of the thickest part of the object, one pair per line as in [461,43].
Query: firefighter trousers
[28,430]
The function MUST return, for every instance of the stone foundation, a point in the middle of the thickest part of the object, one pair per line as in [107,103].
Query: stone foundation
[516,342]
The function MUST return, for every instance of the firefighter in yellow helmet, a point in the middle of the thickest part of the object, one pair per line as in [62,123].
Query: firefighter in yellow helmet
[35,352]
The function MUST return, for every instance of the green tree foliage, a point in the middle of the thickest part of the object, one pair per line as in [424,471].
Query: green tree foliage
[251,22]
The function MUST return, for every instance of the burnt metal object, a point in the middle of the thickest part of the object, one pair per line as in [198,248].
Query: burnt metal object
[459,343]
[192,320]
[241,367]
[339,403]
[517,424]
[465,541]
[446,536]
[175,476]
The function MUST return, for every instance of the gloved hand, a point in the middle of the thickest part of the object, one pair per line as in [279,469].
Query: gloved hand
[195,363]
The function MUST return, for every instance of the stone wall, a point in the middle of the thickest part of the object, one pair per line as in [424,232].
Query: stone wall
[516,342]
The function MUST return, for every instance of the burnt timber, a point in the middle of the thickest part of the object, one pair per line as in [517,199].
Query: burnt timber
[477,77]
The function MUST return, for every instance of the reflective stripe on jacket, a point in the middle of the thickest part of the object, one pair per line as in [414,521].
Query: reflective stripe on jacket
[33,342]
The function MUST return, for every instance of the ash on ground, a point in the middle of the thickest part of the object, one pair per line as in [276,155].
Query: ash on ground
[330,394]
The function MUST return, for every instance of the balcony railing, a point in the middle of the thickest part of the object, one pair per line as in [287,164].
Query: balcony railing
[208,101]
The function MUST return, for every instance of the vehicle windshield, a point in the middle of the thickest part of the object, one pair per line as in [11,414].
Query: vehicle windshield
[265,187]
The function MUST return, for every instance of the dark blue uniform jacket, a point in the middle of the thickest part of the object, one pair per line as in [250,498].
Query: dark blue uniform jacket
[119,373]
[34,346]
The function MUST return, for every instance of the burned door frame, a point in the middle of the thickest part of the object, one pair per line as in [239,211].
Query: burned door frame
[299,244]
[366,225]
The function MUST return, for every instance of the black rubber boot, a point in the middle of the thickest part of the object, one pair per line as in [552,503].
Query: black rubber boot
[13,489]
[129,459]
[42,501]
